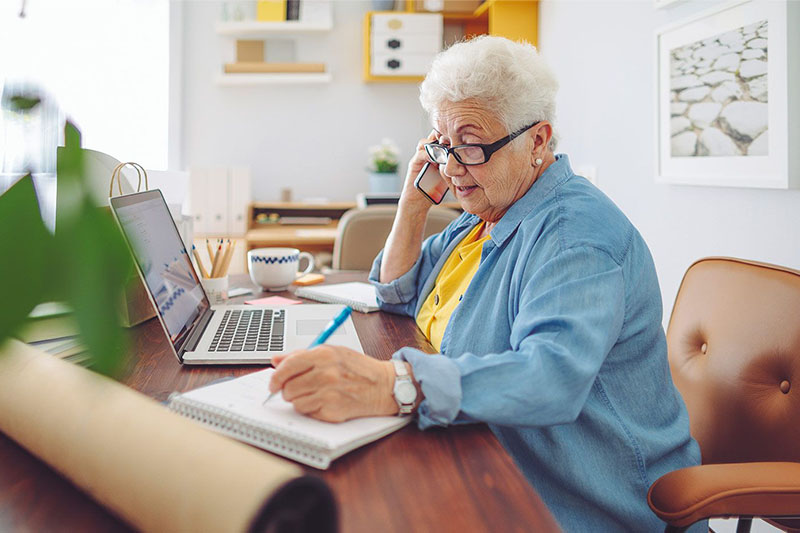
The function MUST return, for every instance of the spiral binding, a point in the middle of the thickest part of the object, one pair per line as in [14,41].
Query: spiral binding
[284,442]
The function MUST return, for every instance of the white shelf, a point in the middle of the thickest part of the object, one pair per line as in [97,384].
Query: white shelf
[254,28]
[273,78]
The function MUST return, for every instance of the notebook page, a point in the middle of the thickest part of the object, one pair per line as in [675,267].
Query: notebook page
[342,292]
[244,397]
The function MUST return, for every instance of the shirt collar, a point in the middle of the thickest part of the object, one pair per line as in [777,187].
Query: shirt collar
[558,172]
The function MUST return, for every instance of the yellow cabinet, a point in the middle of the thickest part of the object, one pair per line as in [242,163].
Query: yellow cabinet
[516,19]
[400,46]
[385,62]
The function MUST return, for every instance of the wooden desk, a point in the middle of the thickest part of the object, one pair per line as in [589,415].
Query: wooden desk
[453,479]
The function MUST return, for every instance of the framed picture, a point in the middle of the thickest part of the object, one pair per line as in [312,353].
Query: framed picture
[722,106]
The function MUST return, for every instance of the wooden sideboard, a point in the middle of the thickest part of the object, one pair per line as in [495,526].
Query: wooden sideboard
[307,237]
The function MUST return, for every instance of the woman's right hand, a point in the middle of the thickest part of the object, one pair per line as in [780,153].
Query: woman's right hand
[405,240]
[410,196]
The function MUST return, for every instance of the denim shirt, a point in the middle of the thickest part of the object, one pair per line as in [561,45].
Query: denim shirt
[557,344]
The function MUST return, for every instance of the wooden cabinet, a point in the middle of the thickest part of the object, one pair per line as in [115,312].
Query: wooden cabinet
[392,56]
[315,234]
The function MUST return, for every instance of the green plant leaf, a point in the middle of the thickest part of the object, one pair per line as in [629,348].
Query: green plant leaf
[29,264]
[24,103]
[95,260]
[98,265]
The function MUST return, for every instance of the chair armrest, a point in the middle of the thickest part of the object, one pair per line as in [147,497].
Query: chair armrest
[686,496]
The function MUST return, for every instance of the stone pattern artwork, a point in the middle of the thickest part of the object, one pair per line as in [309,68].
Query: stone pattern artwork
[718,90]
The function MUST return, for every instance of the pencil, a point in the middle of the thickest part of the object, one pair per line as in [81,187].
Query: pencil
[217,261]
[210,252]
[228,257]
[199,262]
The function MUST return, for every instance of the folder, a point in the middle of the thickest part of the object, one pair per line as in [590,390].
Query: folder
[271,10]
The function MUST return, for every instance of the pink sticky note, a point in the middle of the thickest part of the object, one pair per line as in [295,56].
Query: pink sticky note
[273,300]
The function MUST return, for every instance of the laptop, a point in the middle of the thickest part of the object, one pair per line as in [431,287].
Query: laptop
[202,334]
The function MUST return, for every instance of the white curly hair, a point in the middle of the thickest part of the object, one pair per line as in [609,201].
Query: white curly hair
[509,79]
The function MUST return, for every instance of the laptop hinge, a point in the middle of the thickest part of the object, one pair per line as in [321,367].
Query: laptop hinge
[194,337]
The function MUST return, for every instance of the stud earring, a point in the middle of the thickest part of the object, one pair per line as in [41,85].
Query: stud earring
[537,161]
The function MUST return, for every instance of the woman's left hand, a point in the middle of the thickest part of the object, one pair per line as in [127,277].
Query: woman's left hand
[334,384]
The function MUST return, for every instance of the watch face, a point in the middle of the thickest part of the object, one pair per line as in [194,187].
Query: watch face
[405,392]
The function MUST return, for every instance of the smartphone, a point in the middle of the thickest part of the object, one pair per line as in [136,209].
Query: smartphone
[430,183]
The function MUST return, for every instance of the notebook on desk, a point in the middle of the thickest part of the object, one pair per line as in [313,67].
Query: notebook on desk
[235,408]
[358,295]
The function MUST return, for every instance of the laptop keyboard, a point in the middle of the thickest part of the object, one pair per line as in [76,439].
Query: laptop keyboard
[259,330]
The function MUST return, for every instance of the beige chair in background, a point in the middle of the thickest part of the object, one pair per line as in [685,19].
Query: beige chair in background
[362,233]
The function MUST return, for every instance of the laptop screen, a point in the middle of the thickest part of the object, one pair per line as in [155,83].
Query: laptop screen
[163,261]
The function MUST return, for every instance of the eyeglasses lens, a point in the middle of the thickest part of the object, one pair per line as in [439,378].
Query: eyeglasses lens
[470,155]
[437,153]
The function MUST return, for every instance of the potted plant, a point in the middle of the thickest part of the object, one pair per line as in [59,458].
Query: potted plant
[383,164]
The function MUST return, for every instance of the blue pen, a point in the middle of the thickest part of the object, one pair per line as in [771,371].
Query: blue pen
[332,326]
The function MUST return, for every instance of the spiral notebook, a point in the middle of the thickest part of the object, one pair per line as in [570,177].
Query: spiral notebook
[235,408]
[358,295]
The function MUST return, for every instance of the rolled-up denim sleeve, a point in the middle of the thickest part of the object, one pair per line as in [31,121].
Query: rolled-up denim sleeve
[568,316]
[400,295]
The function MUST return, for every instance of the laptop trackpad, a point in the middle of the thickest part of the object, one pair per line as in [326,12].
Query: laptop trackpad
[315,327]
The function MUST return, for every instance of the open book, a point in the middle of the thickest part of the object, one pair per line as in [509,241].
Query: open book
[358,295]
[234,408]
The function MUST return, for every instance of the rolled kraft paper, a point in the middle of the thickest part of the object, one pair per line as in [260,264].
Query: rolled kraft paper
[153,468]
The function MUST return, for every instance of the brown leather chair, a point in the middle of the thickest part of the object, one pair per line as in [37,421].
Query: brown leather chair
[734,352]
[362,233]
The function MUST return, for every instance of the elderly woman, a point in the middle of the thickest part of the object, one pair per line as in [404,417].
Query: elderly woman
[542,300]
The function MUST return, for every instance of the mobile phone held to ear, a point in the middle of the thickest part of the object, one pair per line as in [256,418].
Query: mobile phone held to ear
[430,183]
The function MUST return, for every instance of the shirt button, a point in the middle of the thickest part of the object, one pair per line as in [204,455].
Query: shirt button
[435,299]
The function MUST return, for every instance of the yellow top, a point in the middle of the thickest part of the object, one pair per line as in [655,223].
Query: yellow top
[451,283]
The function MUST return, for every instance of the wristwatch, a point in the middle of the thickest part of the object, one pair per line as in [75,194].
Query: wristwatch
[405,393]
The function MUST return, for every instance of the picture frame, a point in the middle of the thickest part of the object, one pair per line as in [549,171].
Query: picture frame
[723,115]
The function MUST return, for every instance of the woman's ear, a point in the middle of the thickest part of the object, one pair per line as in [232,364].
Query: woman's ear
[541,133]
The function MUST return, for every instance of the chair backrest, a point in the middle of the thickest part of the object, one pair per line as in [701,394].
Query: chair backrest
[734,353]
[362,233]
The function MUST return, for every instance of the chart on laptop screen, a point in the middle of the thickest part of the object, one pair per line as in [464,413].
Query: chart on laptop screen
[164,263]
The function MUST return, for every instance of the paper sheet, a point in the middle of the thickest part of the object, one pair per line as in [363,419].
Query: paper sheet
[155,469]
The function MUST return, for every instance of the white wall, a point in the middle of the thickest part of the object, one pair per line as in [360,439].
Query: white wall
[104,64]
[603,54]
[312,138]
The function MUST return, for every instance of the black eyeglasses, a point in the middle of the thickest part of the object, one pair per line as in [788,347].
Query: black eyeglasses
[470,154]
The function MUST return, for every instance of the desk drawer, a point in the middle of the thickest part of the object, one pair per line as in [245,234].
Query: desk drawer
[407,23]
[401,64]
[394,43]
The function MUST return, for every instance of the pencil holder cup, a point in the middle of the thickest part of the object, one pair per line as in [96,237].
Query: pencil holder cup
[275,268]
[216,289]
